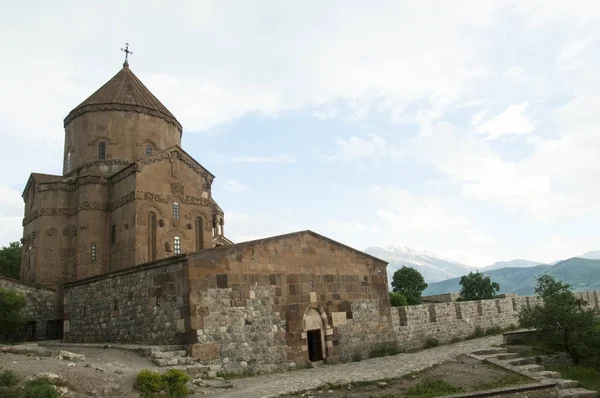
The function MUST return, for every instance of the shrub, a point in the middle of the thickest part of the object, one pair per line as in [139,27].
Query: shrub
[149,382]
[493,330]
[398,300]
[478,332]
[431,342]
[384,349]
[9,392]
[357,357]
[176,383]
[563,321]
[8,378]
[40,388]
[11,304]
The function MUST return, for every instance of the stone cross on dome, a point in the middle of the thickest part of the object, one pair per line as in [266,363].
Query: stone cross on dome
[127,52]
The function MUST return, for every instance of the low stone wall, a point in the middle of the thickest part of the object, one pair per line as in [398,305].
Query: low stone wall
[414,325]
[441,298]
[536,390]
[147,305]
[41,307]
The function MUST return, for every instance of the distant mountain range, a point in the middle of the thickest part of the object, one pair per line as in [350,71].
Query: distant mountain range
[582,274]
[518,276]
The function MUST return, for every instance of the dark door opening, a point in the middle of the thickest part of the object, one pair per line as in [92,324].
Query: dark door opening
[54,329]
[315,348]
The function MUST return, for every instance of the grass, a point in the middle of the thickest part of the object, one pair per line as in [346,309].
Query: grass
[587,377]
[506,381]
[432,388]
[8,378]
[432,342]
[384,349]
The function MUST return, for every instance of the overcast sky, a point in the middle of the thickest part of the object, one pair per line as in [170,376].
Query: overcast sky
[470,128]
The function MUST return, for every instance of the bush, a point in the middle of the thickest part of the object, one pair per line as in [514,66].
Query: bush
[149,382]
[384,349]
[8,378]
[9,392]
[563,321]
[11,304]
[40,388]
[176,383]
[173,382]
[432,342]
[398,300]
[357,357]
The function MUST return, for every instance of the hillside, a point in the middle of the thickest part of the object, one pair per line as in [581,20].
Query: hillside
[582,274]
[519,263]
[432,266]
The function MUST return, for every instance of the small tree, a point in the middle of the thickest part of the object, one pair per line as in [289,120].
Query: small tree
[477,287]
[562,320]
[397,300]
[410,283]
[10,260]
[11,304]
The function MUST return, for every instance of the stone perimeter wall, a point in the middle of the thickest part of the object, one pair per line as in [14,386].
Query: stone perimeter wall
[457,320]
[41,304]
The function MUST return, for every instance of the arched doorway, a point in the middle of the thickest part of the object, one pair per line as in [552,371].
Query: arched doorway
[315,336]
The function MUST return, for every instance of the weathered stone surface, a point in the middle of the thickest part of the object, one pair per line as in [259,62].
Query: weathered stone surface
[27,349]
[204,351]
[41,304]
[70,355]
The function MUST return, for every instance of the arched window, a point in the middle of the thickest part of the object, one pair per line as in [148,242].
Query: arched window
[199,234]
[93,252]
[68,161]
[148,150]
[176,210]
[177,245]
[151,236]
[101,150]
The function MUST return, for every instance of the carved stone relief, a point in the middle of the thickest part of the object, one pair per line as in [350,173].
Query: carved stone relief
[177,187]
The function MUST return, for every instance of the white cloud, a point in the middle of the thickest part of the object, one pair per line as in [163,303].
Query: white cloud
[235,187]
[372,148]
[575,48]
[264,159]
[511,121]
[11,214]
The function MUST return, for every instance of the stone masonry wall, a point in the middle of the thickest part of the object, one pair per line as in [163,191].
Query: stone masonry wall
[142,305]
[41,304]
[252,304]
[458,320]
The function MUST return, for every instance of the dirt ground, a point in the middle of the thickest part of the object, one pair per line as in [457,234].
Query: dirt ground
[105,372]
[464,374]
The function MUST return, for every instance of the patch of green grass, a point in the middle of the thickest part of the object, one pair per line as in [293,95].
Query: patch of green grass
[506,381]
[587,377]
[432,342]
[384,349]
[40,388]
[8,378]
[432,388]
[357,357]
[10,392]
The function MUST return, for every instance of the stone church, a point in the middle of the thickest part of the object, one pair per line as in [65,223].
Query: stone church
[131,242]
[129,193]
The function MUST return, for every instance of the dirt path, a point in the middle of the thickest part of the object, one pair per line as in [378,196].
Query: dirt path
[371,369]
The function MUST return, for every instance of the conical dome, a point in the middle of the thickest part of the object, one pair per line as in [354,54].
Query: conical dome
[124,92]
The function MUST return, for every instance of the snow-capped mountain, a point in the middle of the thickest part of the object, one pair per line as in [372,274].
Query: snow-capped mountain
[594,255]
[432,266]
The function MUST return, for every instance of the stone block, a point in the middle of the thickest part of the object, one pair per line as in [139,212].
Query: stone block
[204,351]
